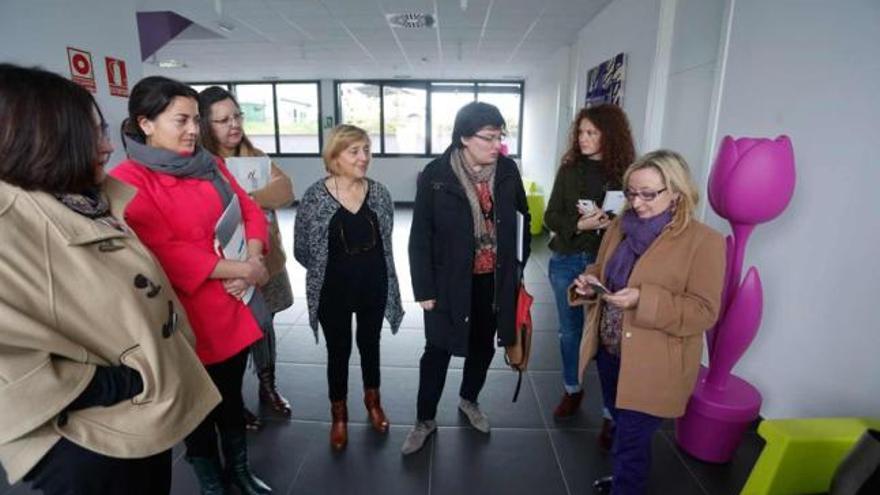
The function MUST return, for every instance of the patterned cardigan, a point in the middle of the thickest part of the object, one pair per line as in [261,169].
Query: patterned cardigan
[311,238]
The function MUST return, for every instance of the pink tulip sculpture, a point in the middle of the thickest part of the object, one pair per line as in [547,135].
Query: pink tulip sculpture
[752,181]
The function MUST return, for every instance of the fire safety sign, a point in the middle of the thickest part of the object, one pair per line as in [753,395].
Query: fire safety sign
[117,78]
[82,71]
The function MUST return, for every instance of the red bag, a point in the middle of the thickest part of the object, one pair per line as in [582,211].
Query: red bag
[516,355]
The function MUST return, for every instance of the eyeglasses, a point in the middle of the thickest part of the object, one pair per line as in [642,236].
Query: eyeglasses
[237,118]
[362,248]
[491,139]
[644,195]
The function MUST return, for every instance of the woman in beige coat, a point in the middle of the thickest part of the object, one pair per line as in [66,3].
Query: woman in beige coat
[223,134]
[98,372]
[654,289]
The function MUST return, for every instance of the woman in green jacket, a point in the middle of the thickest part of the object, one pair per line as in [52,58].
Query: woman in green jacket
[600,149]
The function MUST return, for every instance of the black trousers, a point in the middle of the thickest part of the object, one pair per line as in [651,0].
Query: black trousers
[481,349]
[68,469]
[228,415]
[336,324]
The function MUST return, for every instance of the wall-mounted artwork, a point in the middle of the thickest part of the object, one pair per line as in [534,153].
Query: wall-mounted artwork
[605,82]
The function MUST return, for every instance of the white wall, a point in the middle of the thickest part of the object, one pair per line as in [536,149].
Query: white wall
[811,69]
[38,32]
[546,115]
[628,26]
[692,71]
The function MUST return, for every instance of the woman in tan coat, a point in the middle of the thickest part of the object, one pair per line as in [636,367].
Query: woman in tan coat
[99,375]
[223,135]
[656,285]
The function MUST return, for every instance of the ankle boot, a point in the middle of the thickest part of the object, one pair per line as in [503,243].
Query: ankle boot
[209,473]
[568,405]
[239,471]
[374,410]
[269,392]
[339,428]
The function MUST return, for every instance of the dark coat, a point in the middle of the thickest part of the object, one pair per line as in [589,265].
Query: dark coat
[441,252]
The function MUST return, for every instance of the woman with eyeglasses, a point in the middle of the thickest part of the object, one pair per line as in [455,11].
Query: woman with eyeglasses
[600,149]
[99,376]
[183,192]
[342,236]
[464,262]
[223,135]
[654,289]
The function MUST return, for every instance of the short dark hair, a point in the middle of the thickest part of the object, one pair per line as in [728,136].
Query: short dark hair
[473,117]
[207,98]
[150,97]
[48,134]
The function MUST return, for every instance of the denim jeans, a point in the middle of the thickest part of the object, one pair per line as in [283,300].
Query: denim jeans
[563,269]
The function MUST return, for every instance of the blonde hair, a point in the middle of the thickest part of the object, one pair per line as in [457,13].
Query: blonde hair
[341,137]
[676,175]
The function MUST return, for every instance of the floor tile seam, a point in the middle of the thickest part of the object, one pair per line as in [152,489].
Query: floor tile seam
[299,469]
[549,434]
[399,425]
[678,456]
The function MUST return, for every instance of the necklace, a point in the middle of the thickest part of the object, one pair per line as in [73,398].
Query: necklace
[351,200]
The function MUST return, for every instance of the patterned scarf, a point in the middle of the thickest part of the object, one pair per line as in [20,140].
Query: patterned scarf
[479,186]
[91,204]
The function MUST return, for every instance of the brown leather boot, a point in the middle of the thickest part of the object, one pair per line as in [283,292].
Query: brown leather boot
[374,410]
[569,405]
[269,392]
[339,428]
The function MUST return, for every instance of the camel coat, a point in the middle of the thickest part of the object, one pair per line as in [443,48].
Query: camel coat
[69,302]
[680,279]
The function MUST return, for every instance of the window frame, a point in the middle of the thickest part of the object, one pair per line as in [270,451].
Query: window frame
[427,84]
[229,85]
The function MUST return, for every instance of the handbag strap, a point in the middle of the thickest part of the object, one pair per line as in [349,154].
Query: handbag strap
[518,385]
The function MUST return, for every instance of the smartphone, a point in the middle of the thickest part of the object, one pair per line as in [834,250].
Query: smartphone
[586,206]
[598,288]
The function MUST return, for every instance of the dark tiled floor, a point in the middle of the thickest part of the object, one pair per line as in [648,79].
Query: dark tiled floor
[527,451]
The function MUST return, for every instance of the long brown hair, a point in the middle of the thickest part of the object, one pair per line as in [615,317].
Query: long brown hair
[616,144]
[207,98]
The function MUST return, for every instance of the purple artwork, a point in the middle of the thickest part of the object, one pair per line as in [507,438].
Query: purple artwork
[605,82]
[752,181]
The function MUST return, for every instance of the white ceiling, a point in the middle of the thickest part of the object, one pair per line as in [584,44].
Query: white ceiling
[311,39]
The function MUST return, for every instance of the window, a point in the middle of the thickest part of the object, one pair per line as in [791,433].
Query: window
[360,106]
[298,117]
[404,118]
[416,117]
[258,107]
[508,98]
[280,118]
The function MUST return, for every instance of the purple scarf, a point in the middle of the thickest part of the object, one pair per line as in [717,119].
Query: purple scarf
[638,234]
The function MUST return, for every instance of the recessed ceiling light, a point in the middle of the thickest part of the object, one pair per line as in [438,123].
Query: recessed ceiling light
[410,20]
[172,64]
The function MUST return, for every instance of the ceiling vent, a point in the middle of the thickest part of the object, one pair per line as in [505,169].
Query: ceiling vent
[410,20]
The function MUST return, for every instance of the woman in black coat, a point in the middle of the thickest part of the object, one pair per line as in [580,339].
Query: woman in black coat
[463,261]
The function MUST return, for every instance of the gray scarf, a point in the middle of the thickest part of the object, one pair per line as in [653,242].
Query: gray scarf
[469,177]
[200,165]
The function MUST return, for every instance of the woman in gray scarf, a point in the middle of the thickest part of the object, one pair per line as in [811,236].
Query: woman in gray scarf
[464,262]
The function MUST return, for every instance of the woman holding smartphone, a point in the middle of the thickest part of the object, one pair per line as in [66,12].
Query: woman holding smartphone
[600,149]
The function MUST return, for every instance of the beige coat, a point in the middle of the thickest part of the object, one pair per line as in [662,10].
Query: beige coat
[680,279]
[68,302]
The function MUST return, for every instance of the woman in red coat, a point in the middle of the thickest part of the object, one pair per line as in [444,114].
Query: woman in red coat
[182,192]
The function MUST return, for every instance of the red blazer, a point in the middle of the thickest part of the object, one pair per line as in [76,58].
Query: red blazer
[175,219]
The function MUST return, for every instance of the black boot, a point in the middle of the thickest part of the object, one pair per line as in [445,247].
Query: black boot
[209,474]
[235,453]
